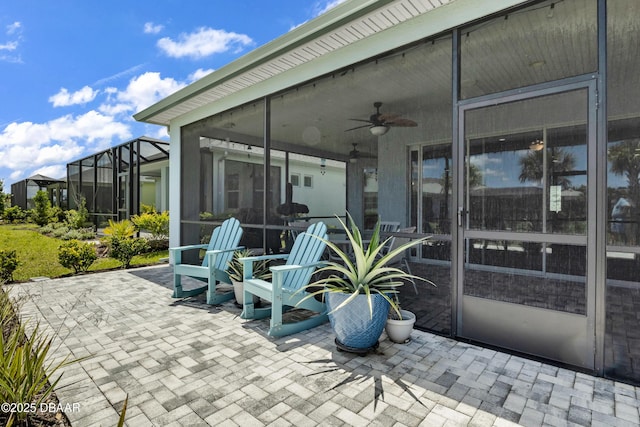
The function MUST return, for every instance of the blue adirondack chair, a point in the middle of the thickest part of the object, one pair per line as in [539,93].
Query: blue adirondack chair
[224,241]
[284,289]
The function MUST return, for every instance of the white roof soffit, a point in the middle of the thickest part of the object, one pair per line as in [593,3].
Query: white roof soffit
[340,27]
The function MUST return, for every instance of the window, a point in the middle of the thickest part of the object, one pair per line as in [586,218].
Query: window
[308,181]
[233,191]
[295,179]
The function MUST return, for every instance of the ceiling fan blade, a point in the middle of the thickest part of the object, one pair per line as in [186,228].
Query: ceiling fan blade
[359,127]
[400,122]
[361,120]
[387,117]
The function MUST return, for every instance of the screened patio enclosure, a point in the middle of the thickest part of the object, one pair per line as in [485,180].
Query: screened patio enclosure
[23,192]
[115,183]
[522,165]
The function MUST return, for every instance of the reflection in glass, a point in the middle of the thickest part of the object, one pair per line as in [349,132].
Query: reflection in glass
[528,180]
[436,189]
[565,292]
[623,192]
[525,172]
[370,197]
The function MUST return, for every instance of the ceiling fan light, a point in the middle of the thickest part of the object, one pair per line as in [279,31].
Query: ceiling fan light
[536,145]
[378,130]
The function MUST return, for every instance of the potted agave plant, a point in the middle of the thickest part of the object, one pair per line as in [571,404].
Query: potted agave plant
[361,288]
[235,271]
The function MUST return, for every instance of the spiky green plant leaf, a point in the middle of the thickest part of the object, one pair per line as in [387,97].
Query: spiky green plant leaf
[364,271]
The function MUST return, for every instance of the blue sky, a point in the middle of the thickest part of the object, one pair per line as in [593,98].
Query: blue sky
[73,72]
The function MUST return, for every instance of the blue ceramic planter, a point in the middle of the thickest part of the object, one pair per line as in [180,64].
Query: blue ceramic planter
[353,325]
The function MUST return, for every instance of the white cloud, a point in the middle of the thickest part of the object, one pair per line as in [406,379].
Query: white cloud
[143,91]
[65,99]
[115,109]
[159,132]
[10,46]
[204,42]
[53,171]
[151,28]
[198,74]
[91,127]
[16,175]
[482,160]
[323,7]
[14,28]
[319,8]
[26,146]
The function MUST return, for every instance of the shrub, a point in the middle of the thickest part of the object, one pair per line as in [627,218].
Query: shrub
[51,228]
[155,223]
[120,229]
[77,255]
[14,214]
[147,208]
[8,264]
[26,376]
[40,214]
[78,218]
[59,232]
[57,215]
[64,232]
[47,229]
[2,199]
[124,249]
[73,219]
[79,234]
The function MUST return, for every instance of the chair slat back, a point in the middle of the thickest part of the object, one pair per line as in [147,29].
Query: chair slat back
[389,226]
[225,236]
[399,241]
[306,250]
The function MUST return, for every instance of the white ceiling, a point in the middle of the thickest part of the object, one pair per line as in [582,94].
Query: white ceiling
[534,45]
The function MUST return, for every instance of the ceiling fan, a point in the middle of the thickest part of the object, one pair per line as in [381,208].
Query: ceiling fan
[379,123]
[354,154]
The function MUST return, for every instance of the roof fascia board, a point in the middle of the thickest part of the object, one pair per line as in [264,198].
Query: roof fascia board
[306,32]
[451,15]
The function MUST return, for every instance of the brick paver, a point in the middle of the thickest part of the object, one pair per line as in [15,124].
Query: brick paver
[182,362]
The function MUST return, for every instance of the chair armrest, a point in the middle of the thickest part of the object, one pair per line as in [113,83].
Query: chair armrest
[221,251]
[247,263]
[263,257]
[285,268]
[189,247]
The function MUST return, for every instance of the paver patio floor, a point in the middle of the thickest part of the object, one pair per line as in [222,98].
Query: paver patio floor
[184,363]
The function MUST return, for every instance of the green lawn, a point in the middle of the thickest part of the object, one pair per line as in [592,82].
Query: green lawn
[38,254]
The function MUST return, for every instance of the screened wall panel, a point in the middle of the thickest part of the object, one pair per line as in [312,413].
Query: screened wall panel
[547,41]
[110,181]
[222,162]
[622,343]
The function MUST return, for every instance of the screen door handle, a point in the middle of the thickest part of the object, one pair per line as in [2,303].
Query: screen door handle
[461,212]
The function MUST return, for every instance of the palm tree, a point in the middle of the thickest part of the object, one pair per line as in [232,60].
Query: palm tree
[559,161]
[473,176]
[624,160]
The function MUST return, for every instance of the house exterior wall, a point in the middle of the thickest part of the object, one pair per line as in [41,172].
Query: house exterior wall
[584,242]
